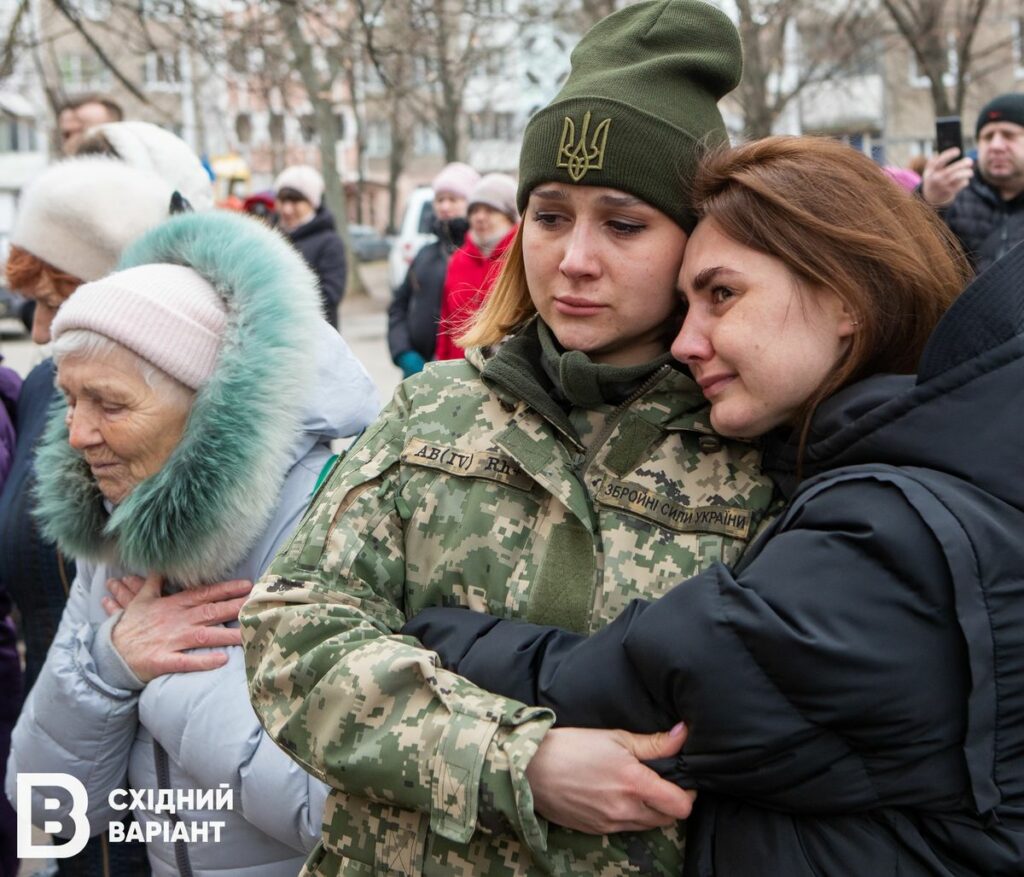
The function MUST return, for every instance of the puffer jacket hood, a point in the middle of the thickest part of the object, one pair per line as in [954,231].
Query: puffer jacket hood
[279,386]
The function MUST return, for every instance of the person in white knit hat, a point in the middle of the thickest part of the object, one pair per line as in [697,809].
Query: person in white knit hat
[152,148]
[202,391]
[73,222]
[310,226]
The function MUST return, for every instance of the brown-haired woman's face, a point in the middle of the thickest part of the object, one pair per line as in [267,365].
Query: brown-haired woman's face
[758,341]
[47,298]
[601,267]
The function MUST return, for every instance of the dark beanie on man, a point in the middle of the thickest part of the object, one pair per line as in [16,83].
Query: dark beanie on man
[1005,108]
[639,107]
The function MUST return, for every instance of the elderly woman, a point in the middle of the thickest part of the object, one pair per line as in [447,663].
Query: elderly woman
[65,234]
[202,391]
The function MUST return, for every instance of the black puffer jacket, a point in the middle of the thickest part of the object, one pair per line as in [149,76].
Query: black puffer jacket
[986,225]
[324,252]
[855,689]
[415,310]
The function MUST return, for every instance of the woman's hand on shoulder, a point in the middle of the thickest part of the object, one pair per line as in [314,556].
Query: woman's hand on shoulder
[155,633]
[595,781]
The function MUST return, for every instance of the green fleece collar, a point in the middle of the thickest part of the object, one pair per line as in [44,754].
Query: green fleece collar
[516,368]
[583,383]
[516,371]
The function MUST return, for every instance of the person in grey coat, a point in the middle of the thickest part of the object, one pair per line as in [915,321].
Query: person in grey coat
[202,390]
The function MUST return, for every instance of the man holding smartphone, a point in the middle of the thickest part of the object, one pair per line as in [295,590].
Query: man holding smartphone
[983,204]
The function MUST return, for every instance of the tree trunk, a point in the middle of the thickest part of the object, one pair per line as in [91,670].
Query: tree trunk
[327,135]
[396,162]
[753,90]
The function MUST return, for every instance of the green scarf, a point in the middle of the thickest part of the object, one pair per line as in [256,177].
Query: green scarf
[535,368]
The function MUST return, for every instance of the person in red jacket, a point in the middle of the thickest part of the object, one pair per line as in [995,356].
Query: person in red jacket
[493,222]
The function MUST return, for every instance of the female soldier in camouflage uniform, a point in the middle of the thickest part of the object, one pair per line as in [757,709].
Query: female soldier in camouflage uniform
[552,480]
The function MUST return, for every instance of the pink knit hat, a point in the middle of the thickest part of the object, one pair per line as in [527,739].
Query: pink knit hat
[167,314]
[456,178]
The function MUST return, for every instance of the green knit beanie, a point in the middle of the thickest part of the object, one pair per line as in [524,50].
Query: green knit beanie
[639,107]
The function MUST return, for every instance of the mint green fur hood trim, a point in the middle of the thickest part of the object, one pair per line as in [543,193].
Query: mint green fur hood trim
[198,517]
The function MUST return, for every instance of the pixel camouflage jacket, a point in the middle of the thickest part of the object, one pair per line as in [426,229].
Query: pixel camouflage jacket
[461,494]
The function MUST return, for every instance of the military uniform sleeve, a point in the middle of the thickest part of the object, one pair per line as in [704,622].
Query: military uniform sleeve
[361,707]
[793,675]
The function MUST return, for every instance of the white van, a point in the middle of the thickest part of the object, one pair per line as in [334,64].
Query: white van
[413,234]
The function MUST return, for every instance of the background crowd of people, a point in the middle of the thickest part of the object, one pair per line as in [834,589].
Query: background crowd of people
[689,545]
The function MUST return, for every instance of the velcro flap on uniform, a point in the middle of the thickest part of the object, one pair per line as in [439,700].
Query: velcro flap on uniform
[455,785]
[644,503]
[491,465]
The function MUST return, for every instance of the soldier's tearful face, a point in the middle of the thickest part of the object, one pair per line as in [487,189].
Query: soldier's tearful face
[602,267]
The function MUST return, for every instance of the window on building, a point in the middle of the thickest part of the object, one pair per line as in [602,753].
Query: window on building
[8,135]
[162,71]
[161,10]
[17,135]
[868,142]
[237,58]
[489,125]
[275,127]
[307,127]
[83,73]
[495,61]
[243,127]
[423,68]
[378,138]
[426,141]
[95,10]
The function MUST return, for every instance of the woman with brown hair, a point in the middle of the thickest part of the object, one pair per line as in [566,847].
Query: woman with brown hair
[852,686]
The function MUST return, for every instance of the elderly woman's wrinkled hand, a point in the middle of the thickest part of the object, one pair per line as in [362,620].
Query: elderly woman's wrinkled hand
[155,633]
[595,781]
[122,592]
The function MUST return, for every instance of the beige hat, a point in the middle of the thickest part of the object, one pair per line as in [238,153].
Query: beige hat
[79,214]
[304,179]
[497,191]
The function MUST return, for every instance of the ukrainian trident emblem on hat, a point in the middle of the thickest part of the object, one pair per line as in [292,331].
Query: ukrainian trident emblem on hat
[575,155]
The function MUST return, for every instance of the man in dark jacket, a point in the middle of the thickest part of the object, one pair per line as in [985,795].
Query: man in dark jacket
[415,310]
[310,227]
[984,206]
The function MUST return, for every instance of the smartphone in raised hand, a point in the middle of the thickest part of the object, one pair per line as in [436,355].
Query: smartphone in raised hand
[948,134]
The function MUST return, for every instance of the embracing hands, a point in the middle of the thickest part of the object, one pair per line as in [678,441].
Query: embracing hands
[594,781]
[154,634]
